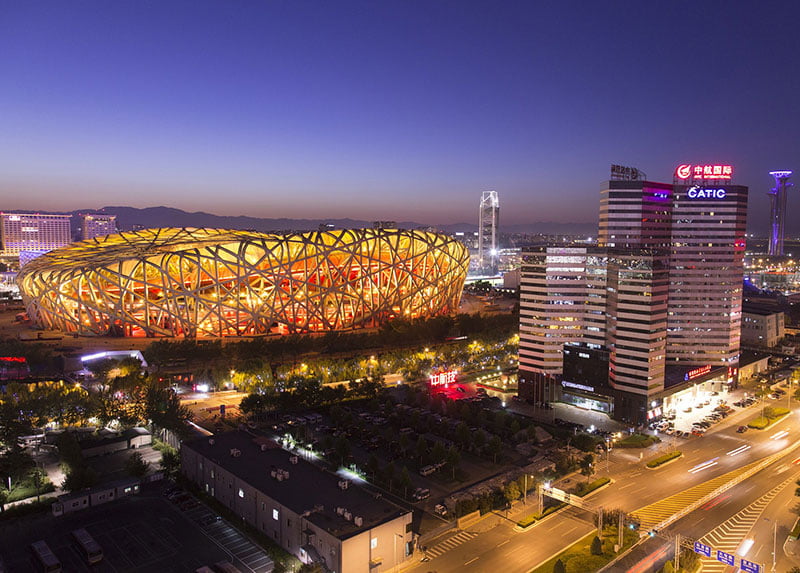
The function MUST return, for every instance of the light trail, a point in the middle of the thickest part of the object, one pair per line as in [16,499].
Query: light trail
[739,450]
[703,466]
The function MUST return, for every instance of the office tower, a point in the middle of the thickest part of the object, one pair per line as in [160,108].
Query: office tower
[706,273]
[93,226]
[672,265]
[488,221]
[778,211]
[32,232]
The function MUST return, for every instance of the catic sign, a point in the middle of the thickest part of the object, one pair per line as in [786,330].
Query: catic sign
[692,374]
[443,378]
[749,566]
[689,171]
[703,193]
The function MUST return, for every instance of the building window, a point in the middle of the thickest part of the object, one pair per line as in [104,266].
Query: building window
[275,514]
[373,543]
[241,493]
[263,506]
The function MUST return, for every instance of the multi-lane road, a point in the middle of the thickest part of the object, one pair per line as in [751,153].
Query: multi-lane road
[722,451]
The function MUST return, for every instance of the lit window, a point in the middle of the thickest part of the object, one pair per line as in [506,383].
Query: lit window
[241,492]
[275,514]
[373,543]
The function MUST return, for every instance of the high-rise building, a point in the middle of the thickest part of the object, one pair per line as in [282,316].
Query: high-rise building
[93,225]
[488,220]
[32,232]
[671,262]
[778,211]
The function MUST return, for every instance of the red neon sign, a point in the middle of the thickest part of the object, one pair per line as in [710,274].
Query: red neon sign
[692,374]
[12,359]
[688,171]
[443,378]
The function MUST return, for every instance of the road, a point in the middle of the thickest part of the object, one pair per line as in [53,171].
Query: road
[634,487]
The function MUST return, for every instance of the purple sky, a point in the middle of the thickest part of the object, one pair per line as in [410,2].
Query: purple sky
[388,110]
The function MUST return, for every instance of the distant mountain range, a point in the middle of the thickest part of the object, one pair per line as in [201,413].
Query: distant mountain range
[131,217]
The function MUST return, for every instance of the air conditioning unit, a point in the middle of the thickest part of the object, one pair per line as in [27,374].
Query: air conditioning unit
[293,460]
[273,473]
[264,447]
[236,452]
[211,441]
[358,520]
[339,511]
[344,484]
[347,515]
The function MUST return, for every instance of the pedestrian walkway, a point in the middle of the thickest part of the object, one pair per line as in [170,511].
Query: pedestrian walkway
[448,544]
[729,535]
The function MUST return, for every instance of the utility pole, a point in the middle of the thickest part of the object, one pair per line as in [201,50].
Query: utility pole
[678,552]
[525,491]
[600,522]
[774,544]
[541,499]
[621,529]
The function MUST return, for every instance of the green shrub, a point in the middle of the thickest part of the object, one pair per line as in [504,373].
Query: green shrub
[558,567]
[527,521]
[758,423]
[655,462]
[583,489]
[597,546]
[637,441]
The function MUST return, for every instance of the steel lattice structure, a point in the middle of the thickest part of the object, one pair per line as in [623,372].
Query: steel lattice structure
[210,282]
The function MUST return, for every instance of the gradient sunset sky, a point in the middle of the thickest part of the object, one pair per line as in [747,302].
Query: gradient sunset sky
[388,110]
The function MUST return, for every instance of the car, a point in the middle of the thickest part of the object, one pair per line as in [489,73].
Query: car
[698,431]
[421,493]
[687,409]
[741,429]
[440,509]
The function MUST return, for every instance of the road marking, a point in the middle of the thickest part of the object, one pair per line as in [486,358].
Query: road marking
[472,560]
[503,543]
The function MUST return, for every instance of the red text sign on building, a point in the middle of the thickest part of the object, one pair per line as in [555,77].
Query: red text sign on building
[443,378]
[692,374]
[688,171]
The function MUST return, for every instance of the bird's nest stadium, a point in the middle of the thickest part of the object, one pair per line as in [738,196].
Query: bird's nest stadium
[211,282]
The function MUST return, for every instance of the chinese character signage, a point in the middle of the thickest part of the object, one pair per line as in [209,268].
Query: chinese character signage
[750,567]
[624,173]
[689,171]
[443,378]
[692,374]
[702,549]
[726,558]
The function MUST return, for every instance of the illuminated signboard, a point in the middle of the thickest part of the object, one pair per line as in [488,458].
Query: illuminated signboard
[703,193]
[566,384]
[689,171]
[692,374]
[443,378]
[726,558]
[624,173]
[12,359]
[702,549]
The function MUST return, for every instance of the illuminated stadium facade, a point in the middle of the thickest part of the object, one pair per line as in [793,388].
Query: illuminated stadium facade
[210,282]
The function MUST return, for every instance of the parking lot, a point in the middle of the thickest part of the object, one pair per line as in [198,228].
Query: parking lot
[144,533]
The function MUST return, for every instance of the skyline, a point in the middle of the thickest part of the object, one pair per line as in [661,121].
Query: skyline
[387,111]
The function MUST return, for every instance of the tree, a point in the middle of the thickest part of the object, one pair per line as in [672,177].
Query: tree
[558,567]
[586,464]
[494,447]
[438,454]
[405,481]
[453,459]
[422,448]
[136,466]
[170,461]
[597,546]
[669,567]
[511,491]
[372,465]
[78,478]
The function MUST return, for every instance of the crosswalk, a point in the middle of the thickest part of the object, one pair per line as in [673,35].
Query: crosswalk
[729,535]
[448,544]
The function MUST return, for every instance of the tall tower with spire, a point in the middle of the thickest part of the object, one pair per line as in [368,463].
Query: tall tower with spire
[488,219]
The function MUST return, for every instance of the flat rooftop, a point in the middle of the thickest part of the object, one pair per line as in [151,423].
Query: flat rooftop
[307,489]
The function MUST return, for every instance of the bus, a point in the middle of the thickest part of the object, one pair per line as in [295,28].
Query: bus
[44,557]
[89,548]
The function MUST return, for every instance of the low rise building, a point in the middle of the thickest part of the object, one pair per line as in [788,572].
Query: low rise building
[316,515]
[762,326]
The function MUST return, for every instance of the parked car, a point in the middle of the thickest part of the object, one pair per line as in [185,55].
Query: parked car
[741,429]
[421,493]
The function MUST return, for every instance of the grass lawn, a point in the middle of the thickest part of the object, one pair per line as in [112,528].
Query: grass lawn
[578,557]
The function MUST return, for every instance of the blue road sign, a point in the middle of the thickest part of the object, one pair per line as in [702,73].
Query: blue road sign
[702,549]
[749,566]
[726,558]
